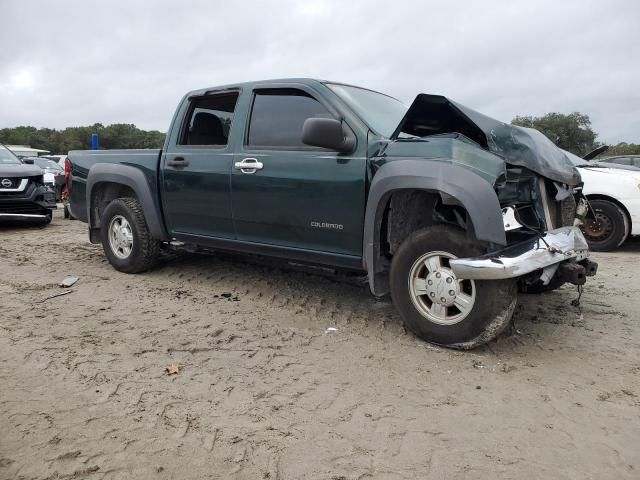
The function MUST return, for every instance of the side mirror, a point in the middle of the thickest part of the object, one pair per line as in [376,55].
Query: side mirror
[328,133]
[28,161]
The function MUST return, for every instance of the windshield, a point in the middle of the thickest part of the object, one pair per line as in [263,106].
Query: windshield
[381,112]
[7,157]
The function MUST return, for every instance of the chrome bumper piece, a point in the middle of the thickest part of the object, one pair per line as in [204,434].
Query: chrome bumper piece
[16,216]
[516,260]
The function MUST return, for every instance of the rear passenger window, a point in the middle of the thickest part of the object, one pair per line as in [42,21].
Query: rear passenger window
[277,117]
[209,120]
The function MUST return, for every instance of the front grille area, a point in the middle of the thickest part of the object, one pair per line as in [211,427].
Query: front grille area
[26,193]
[8,183]
[562,213]
[27,208]
[11,194]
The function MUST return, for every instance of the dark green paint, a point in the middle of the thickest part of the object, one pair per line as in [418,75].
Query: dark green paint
[454,149]
[82,161]
[282,204]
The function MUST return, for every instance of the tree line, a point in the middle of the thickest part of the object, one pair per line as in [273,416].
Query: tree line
[572,132]
[60,142]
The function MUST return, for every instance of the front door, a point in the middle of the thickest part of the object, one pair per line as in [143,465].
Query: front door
[288,194]
[196,170]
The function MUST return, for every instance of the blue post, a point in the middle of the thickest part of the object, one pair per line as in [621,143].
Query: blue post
[94,141]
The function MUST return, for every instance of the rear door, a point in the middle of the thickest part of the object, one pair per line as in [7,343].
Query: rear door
[196,169]
[296,196]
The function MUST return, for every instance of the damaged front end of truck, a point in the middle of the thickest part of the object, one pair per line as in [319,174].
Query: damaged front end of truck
[538,188]
[545,247]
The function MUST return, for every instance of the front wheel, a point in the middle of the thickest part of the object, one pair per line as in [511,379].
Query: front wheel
[436,305]
[125,236]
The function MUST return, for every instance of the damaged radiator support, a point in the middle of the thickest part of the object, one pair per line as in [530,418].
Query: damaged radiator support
[559,207]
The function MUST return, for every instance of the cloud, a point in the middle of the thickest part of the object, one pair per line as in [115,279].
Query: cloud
[69,63]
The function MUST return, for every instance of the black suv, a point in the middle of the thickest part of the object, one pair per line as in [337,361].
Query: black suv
[23,194]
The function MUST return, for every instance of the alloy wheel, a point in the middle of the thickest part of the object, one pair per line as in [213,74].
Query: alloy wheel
[437,293]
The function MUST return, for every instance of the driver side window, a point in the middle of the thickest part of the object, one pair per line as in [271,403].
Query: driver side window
[277,117]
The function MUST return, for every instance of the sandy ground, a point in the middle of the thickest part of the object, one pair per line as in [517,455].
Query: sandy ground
[265,391]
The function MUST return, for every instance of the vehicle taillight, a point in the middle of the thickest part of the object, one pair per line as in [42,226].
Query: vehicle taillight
[67,176]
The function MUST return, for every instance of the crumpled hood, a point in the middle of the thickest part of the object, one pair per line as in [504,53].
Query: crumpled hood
[19,170]
[526,147]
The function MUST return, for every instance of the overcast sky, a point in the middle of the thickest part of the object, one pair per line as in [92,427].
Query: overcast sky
[66,63]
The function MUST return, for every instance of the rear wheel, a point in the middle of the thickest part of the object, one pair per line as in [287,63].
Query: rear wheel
[126,239]
[436,305]
[608,228]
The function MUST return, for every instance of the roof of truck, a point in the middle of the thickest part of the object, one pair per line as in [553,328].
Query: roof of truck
[252,84]
[283,81]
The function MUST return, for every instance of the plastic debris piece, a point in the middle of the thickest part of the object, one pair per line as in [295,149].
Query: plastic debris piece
[68,281]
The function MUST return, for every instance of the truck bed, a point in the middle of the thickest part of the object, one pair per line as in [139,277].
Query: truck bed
[146,160]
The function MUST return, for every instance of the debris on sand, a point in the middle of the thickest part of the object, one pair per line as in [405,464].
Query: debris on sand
[69,281]
[66,292]
[172,370]
[478,364]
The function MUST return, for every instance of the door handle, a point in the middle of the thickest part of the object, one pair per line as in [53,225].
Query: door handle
[178,162]
[249,165]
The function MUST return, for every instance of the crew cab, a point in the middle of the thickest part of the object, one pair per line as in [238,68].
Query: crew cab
[446,209]
[23,191]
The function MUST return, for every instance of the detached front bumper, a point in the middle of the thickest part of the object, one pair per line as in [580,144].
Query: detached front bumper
[564,247]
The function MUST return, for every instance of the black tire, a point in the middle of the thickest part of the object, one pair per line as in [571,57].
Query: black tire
[495,300]
[607,226]
[145,251]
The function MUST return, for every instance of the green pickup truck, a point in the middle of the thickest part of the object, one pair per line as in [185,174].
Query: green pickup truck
[448,210]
